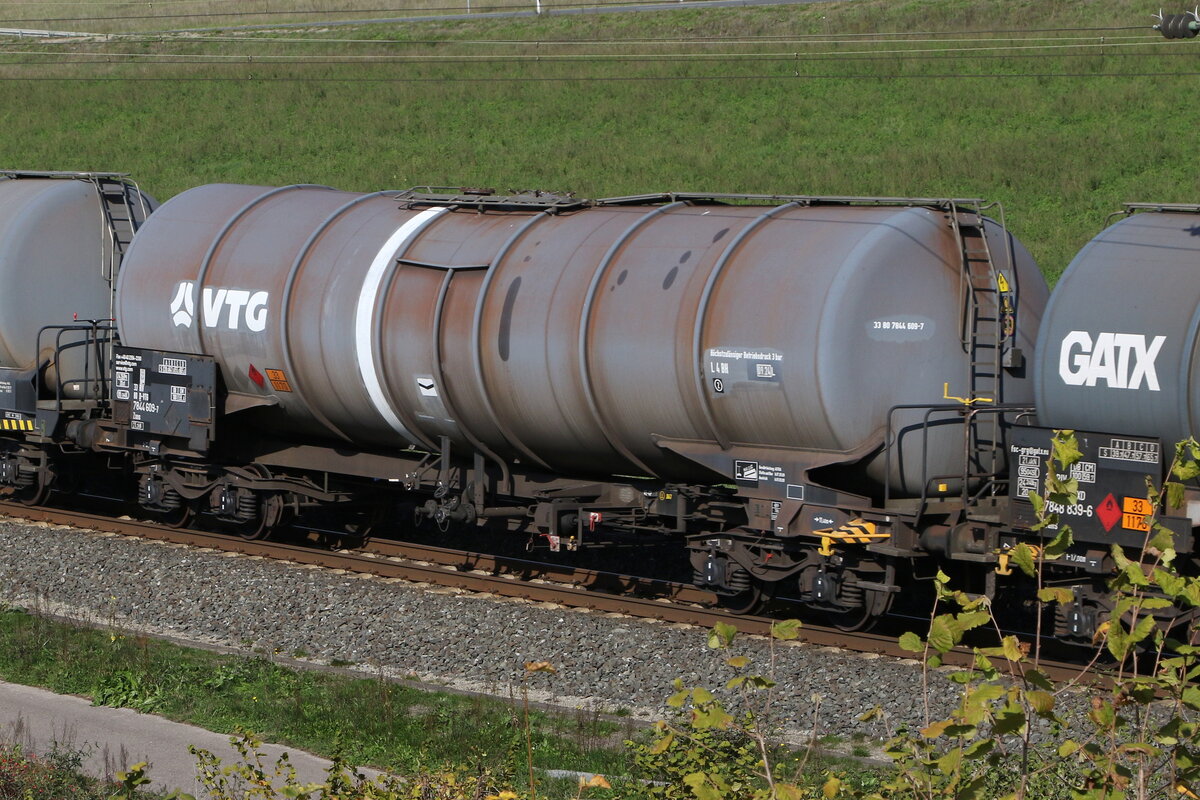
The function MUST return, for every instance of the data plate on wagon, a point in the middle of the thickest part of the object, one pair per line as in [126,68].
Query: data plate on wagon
[1111,476]
[163,394]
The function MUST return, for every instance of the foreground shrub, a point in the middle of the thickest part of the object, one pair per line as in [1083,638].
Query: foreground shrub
[53,776]
[1013,734]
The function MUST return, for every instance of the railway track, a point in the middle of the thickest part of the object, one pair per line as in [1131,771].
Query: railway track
[504,576]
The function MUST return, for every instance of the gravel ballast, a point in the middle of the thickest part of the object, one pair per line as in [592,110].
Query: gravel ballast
[463,641]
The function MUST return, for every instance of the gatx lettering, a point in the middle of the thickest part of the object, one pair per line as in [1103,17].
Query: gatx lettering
[1120,360]
[238,307]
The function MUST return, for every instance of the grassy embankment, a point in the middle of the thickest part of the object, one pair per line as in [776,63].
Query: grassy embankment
[782,101]
[368,721]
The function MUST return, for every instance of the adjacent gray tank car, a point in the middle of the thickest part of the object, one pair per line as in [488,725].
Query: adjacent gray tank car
[578,338]
[1118,347]
[62,237]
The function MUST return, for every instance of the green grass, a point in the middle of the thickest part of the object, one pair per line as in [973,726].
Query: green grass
[369,721]
[1059,151]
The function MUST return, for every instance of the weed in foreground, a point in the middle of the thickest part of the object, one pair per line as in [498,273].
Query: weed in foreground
[56,775]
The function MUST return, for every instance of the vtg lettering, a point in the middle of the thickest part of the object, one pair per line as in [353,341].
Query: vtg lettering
[238,306]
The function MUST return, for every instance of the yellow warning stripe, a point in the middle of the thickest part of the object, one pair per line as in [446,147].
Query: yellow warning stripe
[17,424]
[856,531]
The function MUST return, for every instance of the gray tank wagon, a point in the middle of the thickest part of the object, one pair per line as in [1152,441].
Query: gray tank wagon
[1117,363]
[63,234]
[763,375]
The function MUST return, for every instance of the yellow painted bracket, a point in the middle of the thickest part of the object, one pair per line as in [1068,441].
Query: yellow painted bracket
[826,548]
[965,401]
[1003,567]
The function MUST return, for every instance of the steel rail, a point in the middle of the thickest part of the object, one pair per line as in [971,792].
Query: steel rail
[526,569]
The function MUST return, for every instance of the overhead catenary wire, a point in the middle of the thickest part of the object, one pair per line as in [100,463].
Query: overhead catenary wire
[110,2]
[1009,52]
[485,60]
[396,12]
[1029,44]
[971,44]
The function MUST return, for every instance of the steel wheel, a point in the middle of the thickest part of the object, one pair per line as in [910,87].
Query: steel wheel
[854,620]
[749,601]
[36,493]
[270,513]
[177,517]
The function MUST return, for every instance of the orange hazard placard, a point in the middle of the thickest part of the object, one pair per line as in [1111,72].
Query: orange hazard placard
[1135,522]
[1134,513]
[1135,505]
[279,381]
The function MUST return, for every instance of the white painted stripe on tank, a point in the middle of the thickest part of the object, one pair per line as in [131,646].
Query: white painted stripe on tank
[364,316]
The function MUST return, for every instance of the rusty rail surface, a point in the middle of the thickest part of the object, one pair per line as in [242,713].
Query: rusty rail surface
[529,570]
[507,577]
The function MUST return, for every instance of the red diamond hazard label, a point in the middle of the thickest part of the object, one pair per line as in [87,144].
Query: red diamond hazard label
[1109,512]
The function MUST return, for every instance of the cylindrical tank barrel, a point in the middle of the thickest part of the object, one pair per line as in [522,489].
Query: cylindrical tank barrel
[569,340]
[1118,347]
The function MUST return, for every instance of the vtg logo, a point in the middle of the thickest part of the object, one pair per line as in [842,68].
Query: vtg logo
[242,305]
[1121,360]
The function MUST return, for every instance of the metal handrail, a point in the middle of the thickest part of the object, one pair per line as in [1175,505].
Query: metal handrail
[803,199]
[1129,209]
[565,201]
[966,415]
[61,174]
[95,340]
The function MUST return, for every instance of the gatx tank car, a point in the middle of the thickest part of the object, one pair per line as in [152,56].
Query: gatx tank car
[833,396]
